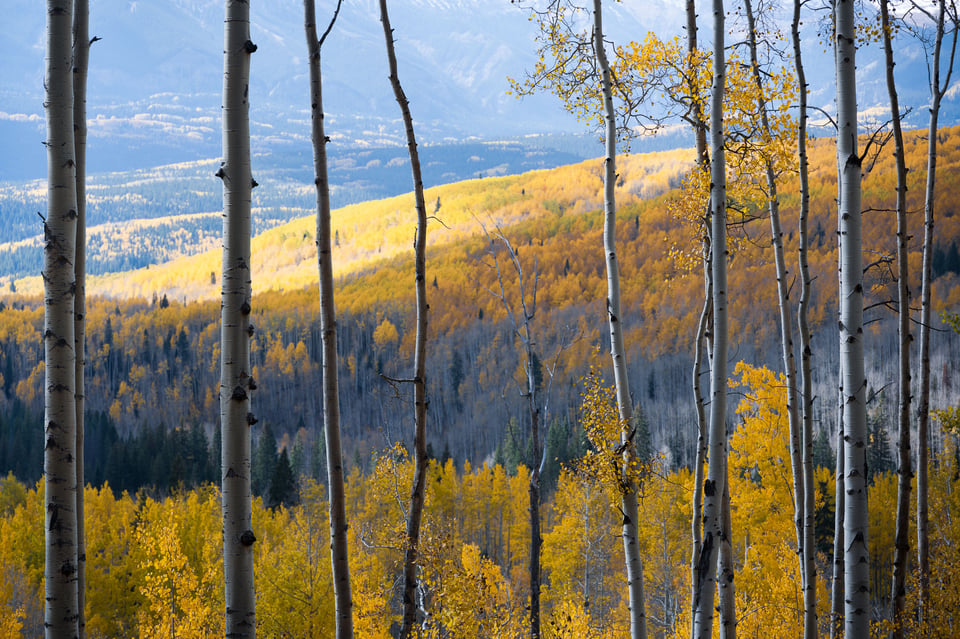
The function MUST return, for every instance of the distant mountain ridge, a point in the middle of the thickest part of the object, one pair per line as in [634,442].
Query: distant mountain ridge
[155,77]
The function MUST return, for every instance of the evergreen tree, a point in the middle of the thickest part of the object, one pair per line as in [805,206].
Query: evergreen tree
[264,462]
[284,490]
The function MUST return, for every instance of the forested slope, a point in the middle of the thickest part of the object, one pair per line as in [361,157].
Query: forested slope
[153,333]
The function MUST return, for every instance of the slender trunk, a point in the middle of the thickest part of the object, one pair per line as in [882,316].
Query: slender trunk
[81,51]
[701,453]
[534,512]
[904,472]
[703,326]
[538,450]
[628,492]
[726,591]
[420,461]
[836,590]
[61,611]
[836,584]
[937,89]
[786,325]
[236,381]
[810,626]
[340,563]
[715,484]
[856,559]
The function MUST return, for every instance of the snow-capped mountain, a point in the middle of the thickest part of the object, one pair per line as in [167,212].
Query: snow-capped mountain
[155,78]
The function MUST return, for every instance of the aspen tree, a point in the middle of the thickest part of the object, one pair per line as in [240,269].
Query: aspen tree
[837,578]
[81,53]
[628,489]
[853,380]
[420,462]
[938,87]
[904,471]
[715,483]
[810,627]
[61,612]
[236,380]
[339,555]
[786,325]
[704,324]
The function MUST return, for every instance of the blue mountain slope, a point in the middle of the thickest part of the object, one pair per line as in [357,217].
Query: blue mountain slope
[155,77]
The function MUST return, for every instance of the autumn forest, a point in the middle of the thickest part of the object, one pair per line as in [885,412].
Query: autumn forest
[691,393]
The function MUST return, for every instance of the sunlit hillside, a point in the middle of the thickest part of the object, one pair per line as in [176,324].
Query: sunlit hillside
[285,256]
[152,333]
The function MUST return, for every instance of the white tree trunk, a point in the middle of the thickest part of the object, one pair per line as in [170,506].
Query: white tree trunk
[630,528]
[810,625]
[715,484]
[81,51]
[857,558]
[236,381]
[904,471]
[339,554]
[61,611]
[702,340]
[726,589]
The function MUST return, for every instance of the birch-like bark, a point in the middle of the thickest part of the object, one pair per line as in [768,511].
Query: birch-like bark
[855,521]
[715,484]
[726,590]
[839,549]
[904,471]
[702,340]
[339,555]
[810,625]
[628,489]
[786,324]
[836,582]
[61,611]
[81,51]
[236,381]
[836,586]
[938,87]
[415,513]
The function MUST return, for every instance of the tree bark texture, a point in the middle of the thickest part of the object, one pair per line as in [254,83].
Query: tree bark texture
[420,462]
[855,521]
[628,489]
[61,611]
[81,51]
[904,471]
[236,381]
[810,625]
[726,588]
[702,340]
[715,484]
[339,556]
[836,582]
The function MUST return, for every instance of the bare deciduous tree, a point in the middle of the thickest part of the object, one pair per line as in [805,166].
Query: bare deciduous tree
[340,561]
[904,471]
[420,462]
